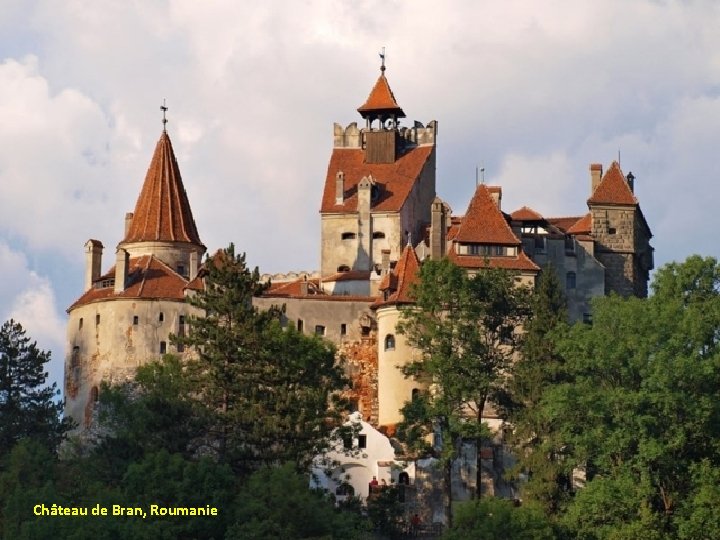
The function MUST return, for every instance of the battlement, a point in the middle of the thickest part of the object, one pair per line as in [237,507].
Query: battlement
[354,137]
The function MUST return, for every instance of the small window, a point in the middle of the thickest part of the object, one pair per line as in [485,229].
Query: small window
[364,331]
[570,280]
[94,394]
[181,269]
[97,319]
[80,323]
[348,236]
[136,320]
[75,359]
[319,330]
[404,478]
[415,393]
[587,318]
[181,333]
[182,320]
[300,325]
[540,244]
[163,347]
[343,329]
[390,342]
[161,317]
[611,230]
[343,268]
[362,441]
[378,235]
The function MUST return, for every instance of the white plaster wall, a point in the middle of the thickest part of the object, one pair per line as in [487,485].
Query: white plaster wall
[394,389]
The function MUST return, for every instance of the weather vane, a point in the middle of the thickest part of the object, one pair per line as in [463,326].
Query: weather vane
[382,60]
[164,109]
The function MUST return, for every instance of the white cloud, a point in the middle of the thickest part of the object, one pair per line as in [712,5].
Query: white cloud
[28,298]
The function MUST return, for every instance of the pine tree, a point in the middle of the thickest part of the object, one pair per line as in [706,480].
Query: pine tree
[28,405]
[538,368]
[267,389]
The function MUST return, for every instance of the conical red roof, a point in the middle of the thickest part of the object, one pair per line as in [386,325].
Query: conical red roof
[484,223]
[162,211]
[613,189]
[400,279]
[381,100]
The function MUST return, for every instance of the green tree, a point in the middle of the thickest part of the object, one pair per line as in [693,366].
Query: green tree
[638,410]
[276,502]
[538,368]
[499,519]
[269,391]
[464,327]
[28,405]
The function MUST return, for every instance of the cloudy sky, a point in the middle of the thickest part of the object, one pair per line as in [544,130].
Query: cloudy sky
[531,91]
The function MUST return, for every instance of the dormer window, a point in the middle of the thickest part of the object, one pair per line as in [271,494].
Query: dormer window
[485,250]
[348,236]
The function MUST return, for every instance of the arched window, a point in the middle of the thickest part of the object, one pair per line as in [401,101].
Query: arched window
[415,393]
[94,394]
[377,235]
[348,236]
[404,478]
[345,490]
[570,280]
[390,342]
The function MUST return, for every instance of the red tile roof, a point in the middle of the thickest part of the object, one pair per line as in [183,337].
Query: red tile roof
[162,211]
[564,223]
[526,214]
[520,262]
[395,180]
[484,222]
[381,100]
[613,189]
[148,278]
[582,225]
[398,283]
[293,288]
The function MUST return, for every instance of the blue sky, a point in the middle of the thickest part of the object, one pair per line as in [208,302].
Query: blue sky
[531,91]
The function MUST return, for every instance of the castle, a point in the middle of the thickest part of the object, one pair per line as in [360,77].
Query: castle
[380,219]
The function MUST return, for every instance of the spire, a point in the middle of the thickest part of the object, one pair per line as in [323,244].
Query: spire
[381,102]
[162,212]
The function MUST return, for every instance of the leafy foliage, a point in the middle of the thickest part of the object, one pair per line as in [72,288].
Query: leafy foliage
[464,326]
[499,519]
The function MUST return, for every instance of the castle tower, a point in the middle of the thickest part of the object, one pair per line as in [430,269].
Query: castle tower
[379,186]
[621,234]
[394,389]
[125,316]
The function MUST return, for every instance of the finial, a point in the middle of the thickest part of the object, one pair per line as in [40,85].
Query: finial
[164,109]
[382,60]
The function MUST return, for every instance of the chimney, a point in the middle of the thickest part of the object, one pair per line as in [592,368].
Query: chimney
[595,176]
[128,222]
[339,187]
[384,262]
[193,265]
[438,229]
[122,261]
[496,193]
[631,181]
[304,287]
[93,262]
